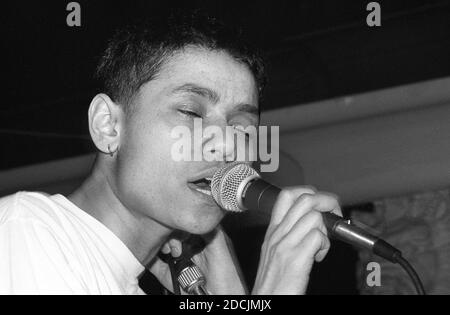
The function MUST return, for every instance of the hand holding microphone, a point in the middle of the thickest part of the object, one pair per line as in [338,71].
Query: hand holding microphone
[301,220]
[296,236]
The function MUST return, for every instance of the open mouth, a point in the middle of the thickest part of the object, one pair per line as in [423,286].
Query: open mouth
[202,185]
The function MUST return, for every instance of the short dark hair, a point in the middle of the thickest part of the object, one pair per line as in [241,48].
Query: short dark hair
[135,54]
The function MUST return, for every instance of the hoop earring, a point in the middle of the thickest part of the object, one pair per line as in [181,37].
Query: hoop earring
[110,152]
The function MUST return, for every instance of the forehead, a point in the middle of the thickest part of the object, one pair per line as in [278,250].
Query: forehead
[217,71]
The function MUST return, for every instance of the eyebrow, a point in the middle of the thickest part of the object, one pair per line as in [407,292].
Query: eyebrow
[247,108]
[198,90]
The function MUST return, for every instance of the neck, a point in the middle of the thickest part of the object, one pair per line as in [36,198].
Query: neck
[141,234]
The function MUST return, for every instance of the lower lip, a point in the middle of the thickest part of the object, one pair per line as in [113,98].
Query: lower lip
[206,194]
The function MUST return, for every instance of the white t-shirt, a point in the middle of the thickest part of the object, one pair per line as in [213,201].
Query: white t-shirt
[50,246]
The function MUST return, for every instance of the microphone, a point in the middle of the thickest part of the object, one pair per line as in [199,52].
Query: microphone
[188,274]
[190,277]
[184,272]
[238,187]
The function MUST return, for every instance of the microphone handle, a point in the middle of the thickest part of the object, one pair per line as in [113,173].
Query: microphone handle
[261,195]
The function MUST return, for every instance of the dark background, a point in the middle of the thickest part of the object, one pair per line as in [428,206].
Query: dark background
[316,49]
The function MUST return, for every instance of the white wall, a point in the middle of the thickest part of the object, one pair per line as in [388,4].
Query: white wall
[377,157]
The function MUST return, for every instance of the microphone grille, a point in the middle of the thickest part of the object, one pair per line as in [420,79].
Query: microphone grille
[227,184]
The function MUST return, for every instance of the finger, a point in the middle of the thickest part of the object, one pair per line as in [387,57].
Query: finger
[298,221]
[316,245]
[166,248]
[309,222]
[285,200]
[321,202]
[175,247]
[337,209]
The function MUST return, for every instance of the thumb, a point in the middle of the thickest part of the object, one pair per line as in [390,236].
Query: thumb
[173,246]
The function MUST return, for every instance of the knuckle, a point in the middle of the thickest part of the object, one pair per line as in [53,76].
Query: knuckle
[295,191]
[287,194]
[310,189]
[332,197]
[305,198]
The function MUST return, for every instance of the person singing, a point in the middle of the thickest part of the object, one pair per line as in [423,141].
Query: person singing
[137,200]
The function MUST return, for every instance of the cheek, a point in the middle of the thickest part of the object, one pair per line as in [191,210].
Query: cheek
[144,165]
[147,146]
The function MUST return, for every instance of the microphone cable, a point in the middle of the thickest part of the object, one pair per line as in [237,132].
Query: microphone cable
[412,274]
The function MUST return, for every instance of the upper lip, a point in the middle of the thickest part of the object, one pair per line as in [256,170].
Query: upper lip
[208,173]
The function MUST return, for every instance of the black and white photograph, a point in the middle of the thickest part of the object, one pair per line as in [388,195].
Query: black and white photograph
[225,148]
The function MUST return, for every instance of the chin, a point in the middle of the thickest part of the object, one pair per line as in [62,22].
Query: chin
[203,223]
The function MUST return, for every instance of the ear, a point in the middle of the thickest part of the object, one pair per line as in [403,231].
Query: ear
[105,123]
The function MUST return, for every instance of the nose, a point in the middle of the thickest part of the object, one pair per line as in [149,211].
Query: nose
[216,145]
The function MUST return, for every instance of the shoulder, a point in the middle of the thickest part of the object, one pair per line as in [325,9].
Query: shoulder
[40,259]
[27,206]
[33,219]
[29,223]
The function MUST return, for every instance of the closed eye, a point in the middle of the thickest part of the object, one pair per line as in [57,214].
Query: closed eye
[190,113]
